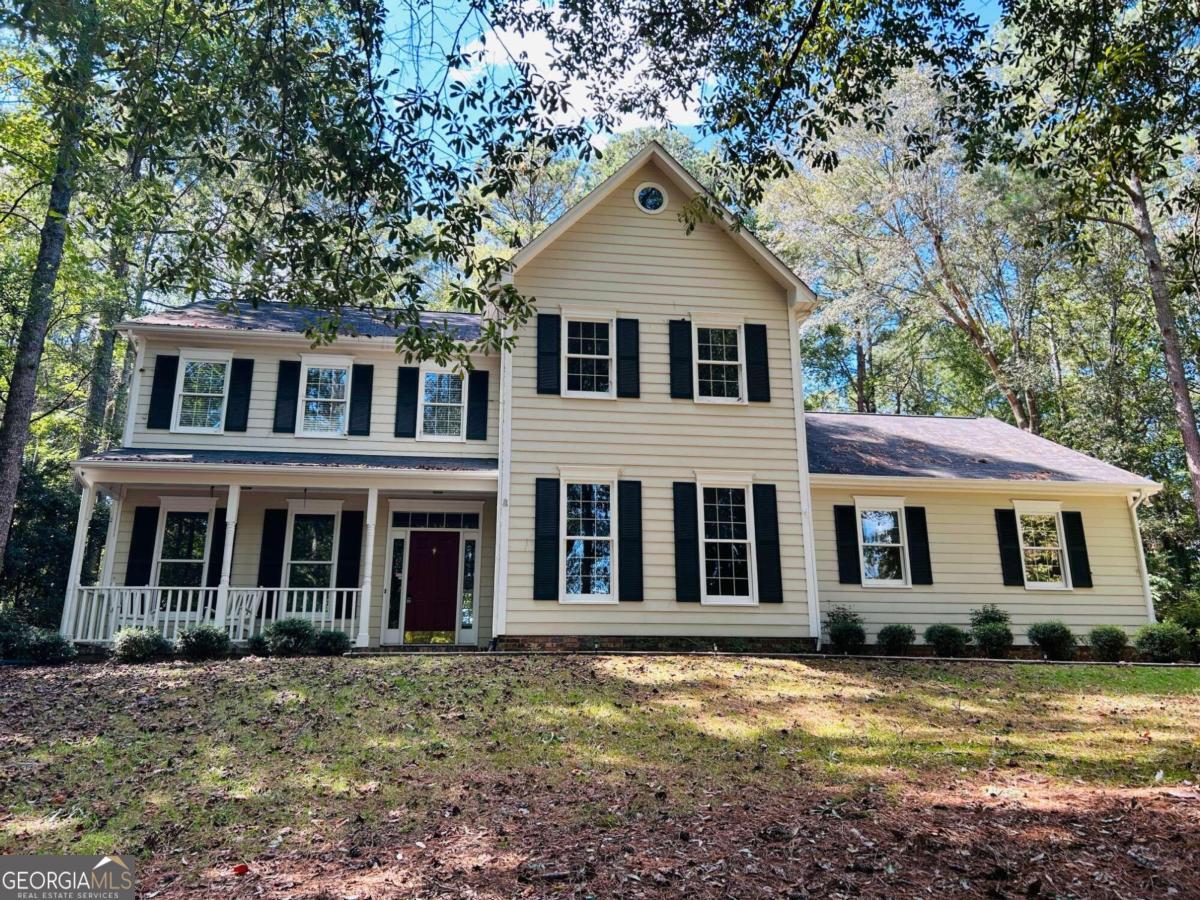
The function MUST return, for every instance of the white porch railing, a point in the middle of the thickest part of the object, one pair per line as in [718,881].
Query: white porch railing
[101,611]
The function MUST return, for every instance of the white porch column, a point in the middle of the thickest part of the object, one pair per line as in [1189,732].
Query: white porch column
[231,517]
[87,502]
[364,601]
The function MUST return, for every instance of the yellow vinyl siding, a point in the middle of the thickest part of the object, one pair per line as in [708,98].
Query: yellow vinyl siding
[965,557]
[619,262]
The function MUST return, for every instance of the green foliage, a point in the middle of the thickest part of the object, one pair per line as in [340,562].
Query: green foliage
[844,629]
[256,645]
[994,639]
[1055,639]
[896,640]
[989,614]
[47,647]
[1162,641]
[331,643]
[1108,643]
[289,637]
[139,645]
[203,642]
[14,633]
[947,640]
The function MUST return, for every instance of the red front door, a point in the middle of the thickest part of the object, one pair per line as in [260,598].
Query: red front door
[432,581]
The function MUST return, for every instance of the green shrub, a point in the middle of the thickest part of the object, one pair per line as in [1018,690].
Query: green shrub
[989,614]
[289,637]
[1162,641]
[845,631]
[896,640]
[994,639]
[947,640]
[204,642]
[14,635]
[47,647]
[331,643]
[138,645]
[1108,643]
[256,645]
[1054,639]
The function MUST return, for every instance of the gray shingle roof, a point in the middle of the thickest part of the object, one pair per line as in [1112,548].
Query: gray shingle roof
[943,447]
[283,318]
[282,458]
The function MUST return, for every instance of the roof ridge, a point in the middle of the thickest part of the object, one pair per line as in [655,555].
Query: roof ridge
[879,415]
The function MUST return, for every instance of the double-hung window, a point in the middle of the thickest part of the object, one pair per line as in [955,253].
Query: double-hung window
[443,399]
[882,541]
[312,543]
[589,540]
[183,539]
[325,396]
[201,391]
[727,531]
[1039,525]
[588,358]
[720,364]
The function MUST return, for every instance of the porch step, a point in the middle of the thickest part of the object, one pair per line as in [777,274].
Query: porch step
[397,649]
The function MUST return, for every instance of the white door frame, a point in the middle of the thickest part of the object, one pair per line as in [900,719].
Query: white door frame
[396,636]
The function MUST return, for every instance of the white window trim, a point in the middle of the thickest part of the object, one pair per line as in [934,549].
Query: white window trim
[323,362]
[883,504]
[611,393]
[183,504]
[318,508]
[729,480]
[186,355]
[432,368]
[582,476]
[1043,508]
[710,322]
[651,212]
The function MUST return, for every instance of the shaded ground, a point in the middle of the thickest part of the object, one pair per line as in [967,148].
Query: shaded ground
[610,776]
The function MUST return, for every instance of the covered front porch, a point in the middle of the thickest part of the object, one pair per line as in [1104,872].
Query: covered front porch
[388,555]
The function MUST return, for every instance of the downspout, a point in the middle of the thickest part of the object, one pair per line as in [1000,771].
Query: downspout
[503,492]
[806,507]
[1135,502]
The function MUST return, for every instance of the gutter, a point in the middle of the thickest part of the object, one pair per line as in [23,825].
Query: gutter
[1135,502]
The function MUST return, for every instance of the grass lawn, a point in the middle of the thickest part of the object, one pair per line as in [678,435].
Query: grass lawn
[610,776]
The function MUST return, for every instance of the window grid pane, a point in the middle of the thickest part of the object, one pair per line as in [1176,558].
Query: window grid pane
[589,352]
[588,556]
[726,542]
[202,394]
[325,400]
[1041,549]
[718,367]
[442,394]
[312,538]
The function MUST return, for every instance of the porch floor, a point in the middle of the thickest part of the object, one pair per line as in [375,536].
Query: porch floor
[398,649]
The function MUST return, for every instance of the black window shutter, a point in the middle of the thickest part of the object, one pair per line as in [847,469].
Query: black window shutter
[237,407]
[141,546]
[162,391]
[287,392]
[628,374]
[349,552]
[549,344]
[1010,547]
[766,544]
[920,569]
[477,405]
[629,540]
[845,526]
[407,381]
[687,543]
[545,539]
[679,340]
[362,383]
[1077,555]
[270,552]
[216,548]
[758,371]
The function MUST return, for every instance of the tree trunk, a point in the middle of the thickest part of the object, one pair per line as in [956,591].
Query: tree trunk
[860,371]
[27,358]
[111,312]
[1164,314]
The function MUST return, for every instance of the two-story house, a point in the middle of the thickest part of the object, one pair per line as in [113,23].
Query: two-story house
[639,466]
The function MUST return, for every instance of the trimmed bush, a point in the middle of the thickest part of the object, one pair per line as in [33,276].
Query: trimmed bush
[1108,643]
[47,647]
[994,639]
[1054,639]
[289,637]
[845,631]
[139,645]
[947,640]
[331,643]
[204,642]
[896,640]
[14,635]
[989,614]
[256,645]
[1163,641]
